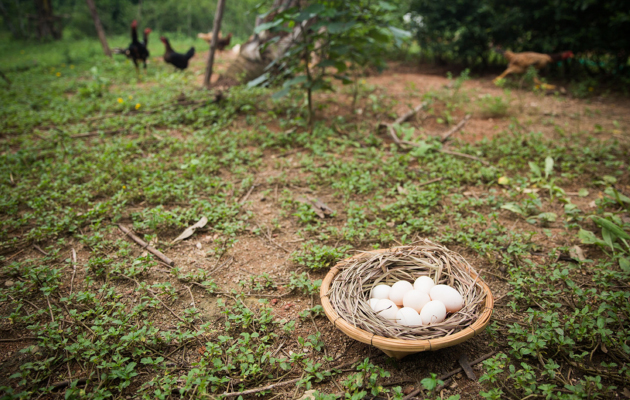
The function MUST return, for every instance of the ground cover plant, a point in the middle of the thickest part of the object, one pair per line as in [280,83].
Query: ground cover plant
[534,193]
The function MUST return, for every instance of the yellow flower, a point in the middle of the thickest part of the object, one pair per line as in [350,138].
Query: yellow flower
[590,89]
[58,73]
[120,100]
[124,187]
[363,81]
[138,106]
[130,97]
[71,66]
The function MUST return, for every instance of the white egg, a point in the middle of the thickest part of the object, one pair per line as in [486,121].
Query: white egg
[408,317]
[381,292]
[399,290]
[386,309]
[416,299]
[433,312]
[453,301]
[423,284]
[373,303]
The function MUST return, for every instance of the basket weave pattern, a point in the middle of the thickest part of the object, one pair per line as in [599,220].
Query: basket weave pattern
[346,290]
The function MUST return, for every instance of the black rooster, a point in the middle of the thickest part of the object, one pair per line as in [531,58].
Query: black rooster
[137,51]
[178,60]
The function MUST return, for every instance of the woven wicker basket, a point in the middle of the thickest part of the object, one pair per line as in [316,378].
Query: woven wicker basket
[399,348]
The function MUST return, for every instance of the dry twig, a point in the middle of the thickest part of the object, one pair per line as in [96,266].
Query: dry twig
[36,247]
[456,128]
[430,182]
[74,269]
[392,133]
[18,339]
[453,372]
[146,246]
[191,296]
[284,383]
[251,189]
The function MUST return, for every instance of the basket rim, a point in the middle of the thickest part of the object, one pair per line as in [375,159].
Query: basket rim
[406,345]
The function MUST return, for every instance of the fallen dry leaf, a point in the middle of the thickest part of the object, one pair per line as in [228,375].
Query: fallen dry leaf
[191,230]
[577,253]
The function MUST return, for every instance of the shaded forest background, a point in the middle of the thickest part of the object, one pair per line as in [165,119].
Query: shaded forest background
[458,32]
[184,17]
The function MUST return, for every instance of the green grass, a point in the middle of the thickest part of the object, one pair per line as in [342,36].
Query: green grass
[180,156]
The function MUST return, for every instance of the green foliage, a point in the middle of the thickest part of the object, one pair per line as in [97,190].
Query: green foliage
[462,30]
[186,18]
[337,33]
[162,166]
[494,106]
[316,256]
[303,283]
[365,381]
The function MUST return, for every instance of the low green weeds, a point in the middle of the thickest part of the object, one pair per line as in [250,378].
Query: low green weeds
[79,156]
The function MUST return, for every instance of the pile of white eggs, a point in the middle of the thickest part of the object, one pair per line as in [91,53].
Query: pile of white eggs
[423,303]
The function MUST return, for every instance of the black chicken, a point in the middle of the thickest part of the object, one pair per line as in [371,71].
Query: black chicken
[136,51]
[178,60]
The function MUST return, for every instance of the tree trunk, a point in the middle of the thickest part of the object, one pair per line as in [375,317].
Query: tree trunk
[20,18]
[251,62]
[48,25]
[99,28]
[7,19]
[218,16]
[139,16]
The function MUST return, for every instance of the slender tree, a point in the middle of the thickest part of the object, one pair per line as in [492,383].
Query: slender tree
[7,19]
[99,28]
[47,23]
[218,16]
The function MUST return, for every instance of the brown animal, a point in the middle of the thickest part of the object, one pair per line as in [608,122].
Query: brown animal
[519,62]
[222,43]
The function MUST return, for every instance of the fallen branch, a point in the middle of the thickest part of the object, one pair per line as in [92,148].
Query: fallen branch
[410,114]
[392,133]
[456,128]
[251,189]
[191,296]
[284,383]
[318,206]
[155,296]
[458,154]
[473,363]
[61,385]
[90,134]
[224,264]
[18,339]
[445,151]
[403,118]
[146,246]
[36,247]
[14,255]
[453,372]
[268,235]
[400,120]
[463,361]
[5,78]
[431,181]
